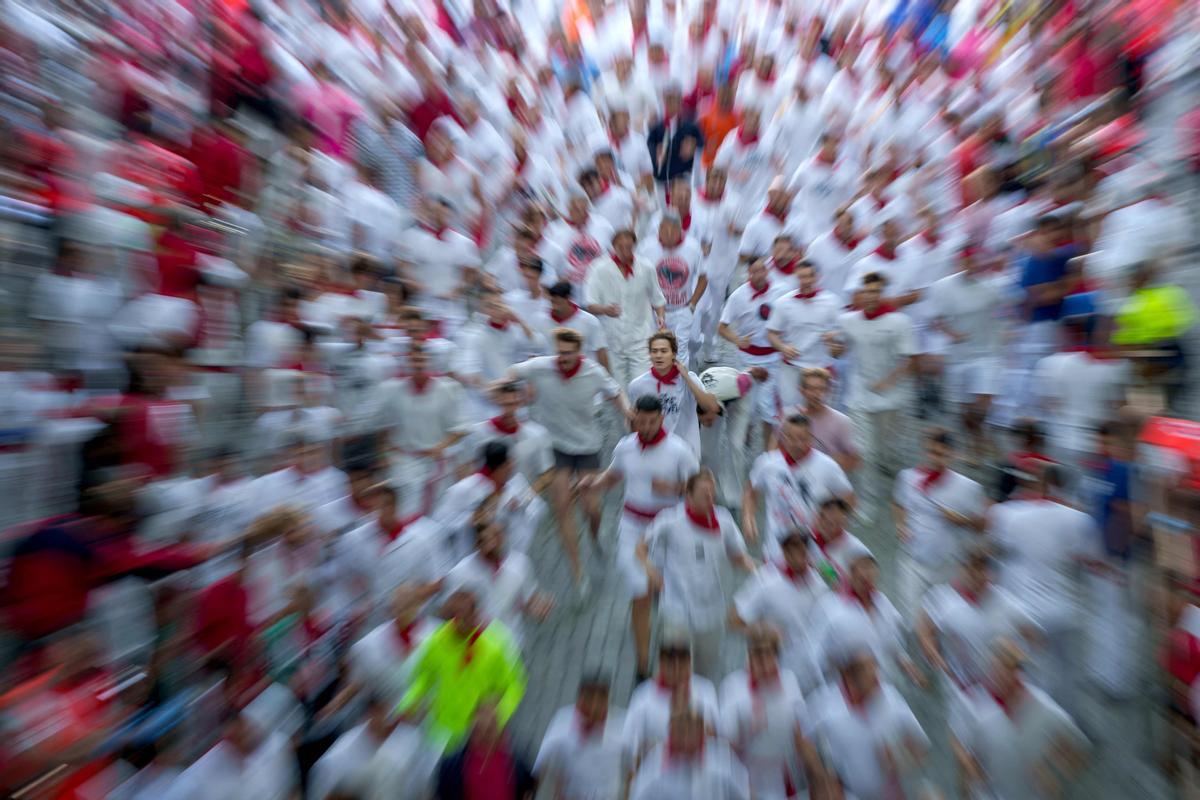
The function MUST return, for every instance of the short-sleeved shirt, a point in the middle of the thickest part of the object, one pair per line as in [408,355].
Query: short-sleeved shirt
[679,404]
[760,720]
[1042,269]
[692,560]
[878,346]
[794,490]
[935,540]
[669,459]
[586,764]
[565,406]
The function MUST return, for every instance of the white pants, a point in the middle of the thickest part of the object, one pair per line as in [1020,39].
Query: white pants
[708,314]
[880,437]
[418,481]
[679,322]
[628,363]
[1110,655]
[913,580]
[630,531]
[972,378]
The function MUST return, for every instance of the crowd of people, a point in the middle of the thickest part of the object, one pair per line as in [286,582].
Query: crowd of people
[353,321]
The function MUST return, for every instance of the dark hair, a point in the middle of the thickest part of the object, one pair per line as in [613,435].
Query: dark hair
[594,682]
[940,436]
[648,404]
[495,454]
[667,337]
[834,500]
[874,277]
[1029,432]
[588,174]
[534,263]
[561,289]
[797,419]
[703,475]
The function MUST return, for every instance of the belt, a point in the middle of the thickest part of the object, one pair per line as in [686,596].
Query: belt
[757,350]
[641,513]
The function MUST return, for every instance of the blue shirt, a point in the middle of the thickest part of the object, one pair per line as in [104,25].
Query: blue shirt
[1109,485]
[1042,269]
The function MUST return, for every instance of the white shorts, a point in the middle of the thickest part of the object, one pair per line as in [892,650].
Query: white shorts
[966,380]
[630,531]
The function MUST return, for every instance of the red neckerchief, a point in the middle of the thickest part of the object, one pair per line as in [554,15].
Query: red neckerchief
[791,462]
[879,204]
[437,233]
[587,728]
[626,269]
[494,566]
[491,476]
[522,162]
[931,238]
[787,571]
[672,755]
[744,139]
[500,326]
[505,427]
[1089,349]
[707,522]
[685,221]
[1009,705]
[561,319]
[857,704]
[788,268]
[669,378]
[604,187]
[781,217]
[769,682]
[653,440]
[850,244]
[405,635]
[397,527]
[880,310]
[469,652]
[967,594]
[826,160]
[928,478]
[313,631]
[579,226]
[884,251]
[567,374]
[868,602]
[706,197]
[420,382]
[806,295]
[757,293]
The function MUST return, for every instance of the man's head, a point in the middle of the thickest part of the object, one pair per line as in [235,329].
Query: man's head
[871,293]
[618,123]
[623,243]
[462,609]
[681,194]
[714,182]
[670,230]
[831,515]
[591,701]
[647,416]
[762,652]
[701,491]
[496,460]
[1007,666]
[806,274]
[814,387]
[864,574]
[675,659]
[672,100]
[590,182]
[531,270]
[568,344]
[978,568]
[577,208]
[757,273]
[782,248]
[795,549]
[489,539]
[664,349]
[795,435]
[560,299]
[939,448]
[843,224]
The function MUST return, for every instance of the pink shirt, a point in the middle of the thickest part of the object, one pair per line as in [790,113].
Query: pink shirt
[832,431]
[331,110]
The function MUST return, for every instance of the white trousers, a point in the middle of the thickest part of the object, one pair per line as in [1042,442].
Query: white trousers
[628,363]
[419,481]
[679,322]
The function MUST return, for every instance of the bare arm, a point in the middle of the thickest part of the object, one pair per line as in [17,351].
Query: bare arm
[705,400]
[701,286]
[750,513]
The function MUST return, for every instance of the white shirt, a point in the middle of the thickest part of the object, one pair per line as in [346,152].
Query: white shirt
[760,722]
[649,714]
[485,353]
[692,558]
[678,402]
[380,660]
[823,188]
[565,406]
[881,628]
[802,322]
[1009,747]
[419,554]
[787,604]
[615,206]
[763,229]
[968,626]
[879,346]
[585,766]
[835,260]
[1036,568]
[670,459]
[503,591]
[793,491]
[935,540]
[420,419]
[343,761]
[750,172]
[712,219]
[438,263]
[580,321]
[379,217]
[969,306]
[637,296]
[529,446]
[580,247]
[853,740]
[677,269]
[1077,392]
[715,775]
[746,312]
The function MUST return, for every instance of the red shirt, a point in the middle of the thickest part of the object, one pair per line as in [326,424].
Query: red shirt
[223,615]
[221,163]
[148,428]
[178,275]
